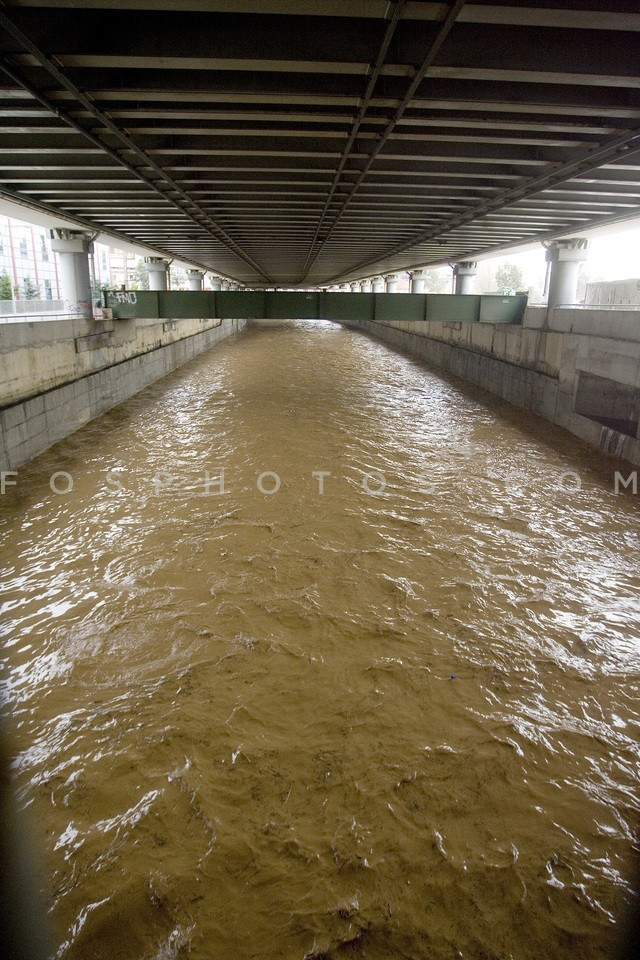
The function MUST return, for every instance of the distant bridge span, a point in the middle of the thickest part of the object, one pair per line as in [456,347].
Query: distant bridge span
[311,142]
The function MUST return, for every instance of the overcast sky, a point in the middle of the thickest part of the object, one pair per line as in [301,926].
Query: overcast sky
[612,256]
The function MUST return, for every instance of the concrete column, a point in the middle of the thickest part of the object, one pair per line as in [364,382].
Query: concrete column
[355,286]
[378,284]
[224,285]
[464,273]
[392,283]
[73,248]
[365,286]
[157,270]
[345,288]
[418,278]
[216,283]
[565,257]
[194,279]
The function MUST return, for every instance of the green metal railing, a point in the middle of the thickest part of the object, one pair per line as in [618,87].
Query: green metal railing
[277,305]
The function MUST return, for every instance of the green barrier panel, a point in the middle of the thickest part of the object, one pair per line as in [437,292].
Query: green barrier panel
[399,306]
[502,309]
[347,306]
[298,305]
[129,304]
[292,305]
[241,304]
[186,305]
[453,308]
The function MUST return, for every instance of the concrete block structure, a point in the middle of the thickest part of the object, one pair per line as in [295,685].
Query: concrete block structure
[579,369]
[56,375]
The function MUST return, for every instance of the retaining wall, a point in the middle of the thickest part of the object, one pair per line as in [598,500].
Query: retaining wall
[579,369]
[55,376]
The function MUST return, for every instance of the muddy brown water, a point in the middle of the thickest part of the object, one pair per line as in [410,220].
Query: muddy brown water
[389,724]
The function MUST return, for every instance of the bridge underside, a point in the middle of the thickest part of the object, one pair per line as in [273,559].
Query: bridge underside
[317,141]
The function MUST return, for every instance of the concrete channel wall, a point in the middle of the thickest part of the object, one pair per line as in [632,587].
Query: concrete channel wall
[579,369]
[56,375]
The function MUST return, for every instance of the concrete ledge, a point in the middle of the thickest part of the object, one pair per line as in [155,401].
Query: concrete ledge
[30,427]
[590,321]
[93,341]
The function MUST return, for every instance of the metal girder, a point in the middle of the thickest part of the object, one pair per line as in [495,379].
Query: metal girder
[364,107]
[323,139]
[193,208]
[586,161]
[449,19]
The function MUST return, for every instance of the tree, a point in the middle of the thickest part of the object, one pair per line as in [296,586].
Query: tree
[6,287]
[509,277]
[141,277]
[30,290]
[96,289]
[437,281]
[585,276]
[178,278]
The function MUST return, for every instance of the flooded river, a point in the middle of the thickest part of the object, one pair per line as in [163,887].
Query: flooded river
[397,718]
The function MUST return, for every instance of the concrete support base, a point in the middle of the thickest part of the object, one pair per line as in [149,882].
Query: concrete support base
[157,270]
[73,248]
[194,279]
[418,278]
[565,257]
[464,273]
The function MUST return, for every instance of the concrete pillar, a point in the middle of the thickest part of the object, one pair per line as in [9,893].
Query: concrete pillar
[157,270]
[378,284]
[216,283]
[418,278]
[464,273]
[345,288]
[565,257]
[194,279]
[355,286]
[73,248]
[365,286]
[392,283]
[224,285]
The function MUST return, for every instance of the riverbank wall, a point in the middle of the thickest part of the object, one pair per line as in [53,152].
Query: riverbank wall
[579,369]
[56,375]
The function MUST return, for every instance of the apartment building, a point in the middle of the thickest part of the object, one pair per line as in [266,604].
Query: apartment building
[27,259]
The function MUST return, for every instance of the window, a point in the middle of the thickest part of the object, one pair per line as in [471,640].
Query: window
[44,248]
[104,260]
[23,248]
[48,294]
